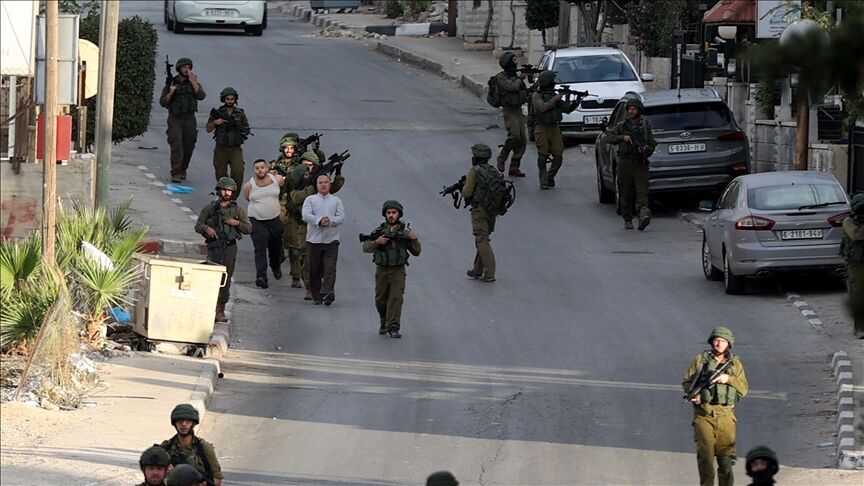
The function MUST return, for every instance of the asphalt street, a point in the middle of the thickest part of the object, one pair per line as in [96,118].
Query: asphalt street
[566,370]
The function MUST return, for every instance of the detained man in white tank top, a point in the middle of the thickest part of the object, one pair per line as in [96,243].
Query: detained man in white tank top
[262,191]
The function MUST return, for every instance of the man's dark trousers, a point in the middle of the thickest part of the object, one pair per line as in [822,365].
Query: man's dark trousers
[266,238]
[322,265]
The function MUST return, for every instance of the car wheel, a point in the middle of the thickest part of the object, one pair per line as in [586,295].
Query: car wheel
[179,27]
[711,272]
[617,195]
[734,283]
[255,30]
[605,196]
[264,21]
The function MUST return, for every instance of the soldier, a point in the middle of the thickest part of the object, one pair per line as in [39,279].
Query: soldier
[222,223]
[263,191]
[636,143]
[482,221]
[186,475]
[287,160]
[442,478]
[762,465]
[301,188]
[514,94]
[185,448]
[714,407]
[154,464]
[315,146]
[390,254]
[181,98]
[852,250]
[232,129]
[548,108]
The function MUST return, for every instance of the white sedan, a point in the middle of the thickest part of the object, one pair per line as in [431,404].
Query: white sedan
[249,15]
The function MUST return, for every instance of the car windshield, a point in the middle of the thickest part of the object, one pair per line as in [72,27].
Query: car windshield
[691,116]
[591,69]
[793,196]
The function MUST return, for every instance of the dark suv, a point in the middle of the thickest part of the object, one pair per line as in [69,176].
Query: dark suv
[699,145]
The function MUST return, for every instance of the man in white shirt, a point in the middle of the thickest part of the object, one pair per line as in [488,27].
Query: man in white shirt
[322,213]
[262,191]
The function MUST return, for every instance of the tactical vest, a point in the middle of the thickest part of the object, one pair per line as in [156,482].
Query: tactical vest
[395,252]
[719,394]
[183,100]
[639,135]
[513,99]
[551,117]
[230,232]
[230,133]
[852,251]
[197,458]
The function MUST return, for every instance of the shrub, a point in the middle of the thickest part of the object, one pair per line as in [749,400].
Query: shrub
[393,9]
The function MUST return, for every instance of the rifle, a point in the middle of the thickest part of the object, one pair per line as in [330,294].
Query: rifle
[169,78]
[334,164]
[304,143]
[704,379]
[529,70]
[391,235]
[230,122]
[455,191]
[218,245]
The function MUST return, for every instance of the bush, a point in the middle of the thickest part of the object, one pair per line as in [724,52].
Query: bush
[135,76]
[653,27]
[393,9]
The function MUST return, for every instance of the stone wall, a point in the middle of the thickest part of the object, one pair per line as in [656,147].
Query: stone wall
[471,20]
[21,193]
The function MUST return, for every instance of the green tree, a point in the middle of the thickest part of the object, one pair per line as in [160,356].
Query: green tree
[541,15]
[652,28]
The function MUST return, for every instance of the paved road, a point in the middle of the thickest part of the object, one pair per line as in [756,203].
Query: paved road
[572,359]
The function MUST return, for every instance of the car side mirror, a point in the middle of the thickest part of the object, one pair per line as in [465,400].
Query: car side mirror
[707,206]
[604,124]
[647,77]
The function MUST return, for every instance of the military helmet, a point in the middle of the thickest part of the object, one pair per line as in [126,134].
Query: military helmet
[442,478]
[223,183]
[310,155]
[228,91]
[287,141]
[635,102]
[184,475]
[506,59]
[481,151]
[184,410]
[183,61]
[391,204]
[722,332]
[546,79]
[155,456]
[762,452]
[857,204]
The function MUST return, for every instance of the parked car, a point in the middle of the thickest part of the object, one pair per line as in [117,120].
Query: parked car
[605,72]
[699,145]
[248,15]
[774,222]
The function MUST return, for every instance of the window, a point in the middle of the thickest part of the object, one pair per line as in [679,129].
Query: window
[729,198]
[691,116]
[593,69]
[793,196]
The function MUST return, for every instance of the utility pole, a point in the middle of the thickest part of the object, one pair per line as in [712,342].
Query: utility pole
[452,13]
[564,22]
[49,160]
[105,101]
[802,118]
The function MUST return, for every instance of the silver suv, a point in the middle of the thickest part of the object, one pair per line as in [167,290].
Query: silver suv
[699,145]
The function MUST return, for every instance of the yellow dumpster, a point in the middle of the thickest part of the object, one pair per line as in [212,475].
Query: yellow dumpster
[177,300]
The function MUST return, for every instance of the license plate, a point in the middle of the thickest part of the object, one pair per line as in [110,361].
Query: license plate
[809,234]
[217,12]
[683,148]
[593,120]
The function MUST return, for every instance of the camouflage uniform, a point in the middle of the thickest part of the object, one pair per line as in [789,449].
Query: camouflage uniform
[290,245]
[514,94]
[852,249]
[229,137]
[548,109]
[182,126]
[482,221]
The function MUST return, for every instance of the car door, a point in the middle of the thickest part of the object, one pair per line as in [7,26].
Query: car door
[604,150]
[720,220]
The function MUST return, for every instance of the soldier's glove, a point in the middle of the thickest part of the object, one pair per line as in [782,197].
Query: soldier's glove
[338,169]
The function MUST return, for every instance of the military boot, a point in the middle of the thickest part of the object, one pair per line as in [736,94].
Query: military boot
[628,224]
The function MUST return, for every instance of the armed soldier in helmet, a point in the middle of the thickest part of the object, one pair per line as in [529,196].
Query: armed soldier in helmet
[185,475]
[232,128]
[762,465]
[181,97]
[186,448]
[852,249]
[514,94]
[482,221]
[222,223]
[549,107]
[287,160]
[719,377]
[393,241]
[302,187]
[154,464]
[636,143]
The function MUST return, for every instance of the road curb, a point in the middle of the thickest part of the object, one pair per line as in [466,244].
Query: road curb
[692,218]
[806,311]
[842,368]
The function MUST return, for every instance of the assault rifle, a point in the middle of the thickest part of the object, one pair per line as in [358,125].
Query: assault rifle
[391,235]
[529,70]
[705,379]
[304,143]
[218,245]
[230,122]
[169,78]
[334,164]
[455,191]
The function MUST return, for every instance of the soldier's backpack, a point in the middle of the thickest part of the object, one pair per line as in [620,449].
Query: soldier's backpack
[492,192]
[493,94]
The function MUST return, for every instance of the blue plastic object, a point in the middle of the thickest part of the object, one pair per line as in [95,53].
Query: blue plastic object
[120,315]
[179,188]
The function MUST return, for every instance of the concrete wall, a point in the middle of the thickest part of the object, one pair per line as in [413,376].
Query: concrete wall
[471,20]
[21,194]
[833,158]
